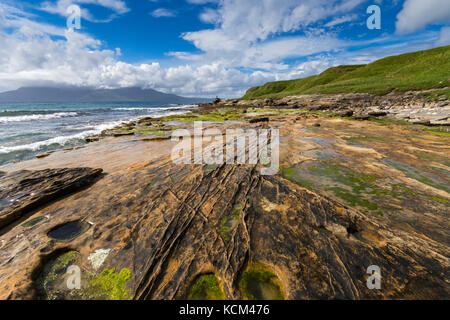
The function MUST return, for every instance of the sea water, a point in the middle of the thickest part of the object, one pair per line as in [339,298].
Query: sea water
[28,129]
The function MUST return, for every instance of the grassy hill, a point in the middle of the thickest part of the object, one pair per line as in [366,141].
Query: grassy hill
[420,70]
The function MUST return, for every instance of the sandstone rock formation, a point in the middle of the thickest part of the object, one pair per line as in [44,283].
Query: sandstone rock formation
[24,191]
[349,195]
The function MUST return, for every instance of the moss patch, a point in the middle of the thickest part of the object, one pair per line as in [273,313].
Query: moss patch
[440,133]
[227,225]
[258,282]
[51,284]
[368,139]
[420,174]
[292,175]
[108,285]
[355,188]
[230,221]
[358,184]
[220,115]
[206,287]
[440,200]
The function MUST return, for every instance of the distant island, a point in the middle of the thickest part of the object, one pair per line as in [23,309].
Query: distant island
[86,94]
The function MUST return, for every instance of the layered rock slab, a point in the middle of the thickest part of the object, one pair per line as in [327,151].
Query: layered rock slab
[165,223]
[23,191]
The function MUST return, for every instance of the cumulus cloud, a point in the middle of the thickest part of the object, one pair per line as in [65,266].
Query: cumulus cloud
[248,44]
[236,54]
[417,14]
[60,7]
[244,31]
[254,20]
[31,56]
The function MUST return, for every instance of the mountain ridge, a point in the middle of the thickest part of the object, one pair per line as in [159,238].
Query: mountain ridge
[86,94]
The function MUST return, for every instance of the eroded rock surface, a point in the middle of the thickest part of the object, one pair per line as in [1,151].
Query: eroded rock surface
[349,195]
[24,191]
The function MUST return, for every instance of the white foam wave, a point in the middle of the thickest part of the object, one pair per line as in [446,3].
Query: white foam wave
[35,117]
[93,130]
[60,140]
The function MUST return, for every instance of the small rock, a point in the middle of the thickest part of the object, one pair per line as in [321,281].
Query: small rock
[361,117]
[92,139]
[377,113]
[420,121]
[345,113]
[258,120]
[43,155]
[123,134]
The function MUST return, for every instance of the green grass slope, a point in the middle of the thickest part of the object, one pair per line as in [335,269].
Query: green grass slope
[420,70]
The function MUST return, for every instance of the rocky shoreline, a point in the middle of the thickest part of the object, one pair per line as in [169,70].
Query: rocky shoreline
[349,194]
[412,106]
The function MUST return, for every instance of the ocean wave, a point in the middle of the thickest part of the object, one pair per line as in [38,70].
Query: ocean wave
[35,117]
[60,140]
[88,130]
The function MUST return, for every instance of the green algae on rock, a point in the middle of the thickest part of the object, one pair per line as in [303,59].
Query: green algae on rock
[110,285]
[51,284]
[230,222]
[258,282]
[206,287]
[31,223]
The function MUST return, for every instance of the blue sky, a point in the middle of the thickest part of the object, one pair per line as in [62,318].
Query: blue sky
[204,47]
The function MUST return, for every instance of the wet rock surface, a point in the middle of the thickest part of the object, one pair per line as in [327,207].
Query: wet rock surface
[349,195]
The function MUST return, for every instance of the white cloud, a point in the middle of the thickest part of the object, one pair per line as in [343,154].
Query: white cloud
[31,56]
[60,7]
[162,12]
[241,40]
[417,14]
[248,45]
[249,33]
[444,37]
[341,20]
[209,16]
